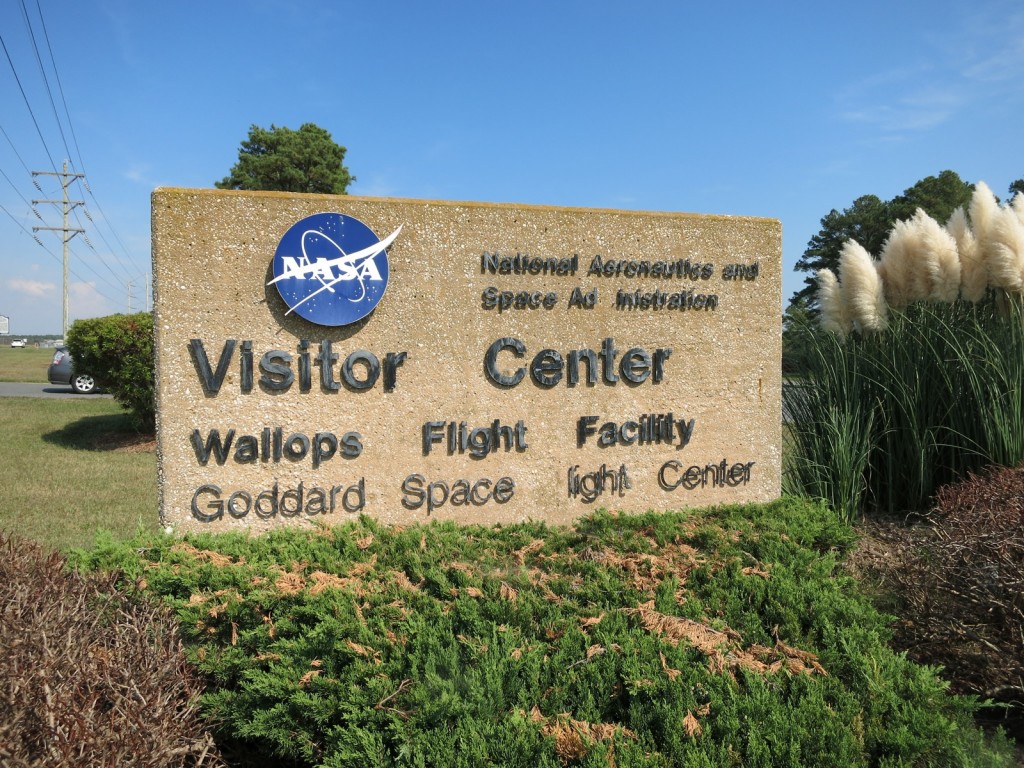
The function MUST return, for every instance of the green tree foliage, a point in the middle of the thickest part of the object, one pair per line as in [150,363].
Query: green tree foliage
[938,195]
[868,221]
[797,339]
[118,350]
[306,160]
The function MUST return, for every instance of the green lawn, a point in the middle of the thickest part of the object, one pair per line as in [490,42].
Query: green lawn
[28,364]
[60,478]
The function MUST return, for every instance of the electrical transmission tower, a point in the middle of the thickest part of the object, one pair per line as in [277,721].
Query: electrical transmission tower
[66,231]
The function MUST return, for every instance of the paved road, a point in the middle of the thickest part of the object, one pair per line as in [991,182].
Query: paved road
[15,389]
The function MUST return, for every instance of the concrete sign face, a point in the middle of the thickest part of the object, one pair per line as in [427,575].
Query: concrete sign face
[524,362]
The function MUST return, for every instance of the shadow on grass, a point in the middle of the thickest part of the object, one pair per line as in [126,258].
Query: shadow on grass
[108,432]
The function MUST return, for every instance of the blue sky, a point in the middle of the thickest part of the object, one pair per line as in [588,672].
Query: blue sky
[762,109]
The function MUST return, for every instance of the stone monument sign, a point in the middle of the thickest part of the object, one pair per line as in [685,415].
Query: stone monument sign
[321,357]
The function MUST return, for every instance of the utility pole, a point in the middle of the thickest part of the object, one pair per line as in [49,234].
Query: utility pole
[68,232]
[131,285]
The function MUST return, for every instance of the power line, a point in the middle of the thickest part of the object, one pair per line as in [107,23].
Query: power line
[127,266]
[28,106]
[71,129]
[60,87]
[42,73]
[14,149]
[16,190]
[88,190]
[129,271]
[54,256]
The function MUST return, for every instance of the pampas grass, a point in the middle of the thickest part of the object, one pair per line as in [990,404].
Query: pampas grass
[915,387]
[939,262]
[882,420]
[862,288]
[834,314]
[1018,205]
[973,272]
[922,260]
[1005,248]
[897,266]
[984,210]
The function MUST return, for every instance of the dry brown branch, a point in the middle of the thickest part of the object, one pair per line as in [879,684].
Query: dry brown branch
[961,584]
[90,675]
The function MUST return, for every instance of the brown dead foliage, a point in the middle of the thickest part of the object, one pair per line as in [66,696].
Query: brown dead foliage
[961,585]
[289,583]
[324,581]
[508,592]
[292,582]
[363,568]
[676,629]
[752,570]
[671,673]
[400,579]
[521,554]
[575,738]
[370,654]
[691,725]
[204,555]
[646,571]
[90,675]
[724,648]
[596,650]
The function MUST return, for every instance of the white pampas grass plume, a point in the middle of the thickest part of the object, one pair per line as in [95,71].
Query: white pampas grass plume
[937,264]
[1018,205]
[896,265]
[862,288]
[1006,250]
[973,273]
[984,210]
[834,316]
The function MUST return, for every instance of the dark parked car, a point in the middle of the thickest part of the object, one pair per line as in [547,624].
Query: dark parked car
[62,371]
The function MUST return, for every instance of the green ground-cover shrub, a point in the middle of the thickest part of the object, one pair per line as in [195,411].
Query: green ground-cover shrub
[717,638]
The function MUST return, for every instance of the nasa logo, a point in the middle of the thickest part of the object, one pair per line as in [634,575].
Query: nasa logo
[331,269]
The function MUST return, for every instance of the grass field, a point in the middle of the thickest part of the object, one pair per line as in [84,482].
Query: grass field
[28,364]
[69,468]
